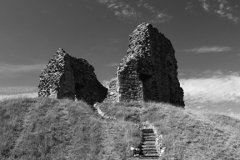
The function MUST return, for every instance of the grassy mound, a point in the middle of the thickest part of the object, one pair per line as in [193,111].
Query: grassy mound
[186,134]
[49,129]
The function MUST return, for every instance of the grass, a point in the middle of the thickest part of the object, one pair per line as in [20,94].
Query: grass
[47,129]
[50,129]
[187,135]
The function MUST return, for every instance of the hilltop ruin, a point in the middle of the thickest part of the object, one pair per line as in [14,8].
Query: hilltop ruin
[147,73]
[149,70]
[70,77]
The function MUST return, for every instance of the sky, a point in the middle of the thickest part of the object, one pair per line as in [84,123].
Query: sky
[205,35]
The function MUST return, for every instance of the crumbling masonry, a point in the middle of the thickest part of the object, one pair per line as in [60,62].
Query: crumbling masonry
[70,77]
[149,70]
[147,73]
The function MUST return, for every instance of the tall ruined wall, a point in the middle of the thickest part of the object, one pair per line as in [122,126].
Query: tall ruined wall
[70,77]
[149,70]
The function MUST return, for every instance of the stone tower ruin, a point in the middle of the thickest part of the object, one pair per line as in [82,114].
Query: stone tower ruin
[149,70]
[70,77]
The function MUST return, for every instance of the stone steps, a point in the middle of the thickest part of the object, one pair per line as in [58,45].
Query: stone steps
[150,152]
[148,147]
[149,139]
[148,133]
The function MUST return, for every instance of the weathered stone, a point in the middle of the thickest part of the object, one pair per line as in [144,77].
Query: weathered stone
[149,70]
[112,94]
[70,77]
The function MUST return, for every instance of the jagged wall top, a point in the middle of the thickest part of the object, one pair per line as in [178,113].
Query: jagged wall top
[139,35]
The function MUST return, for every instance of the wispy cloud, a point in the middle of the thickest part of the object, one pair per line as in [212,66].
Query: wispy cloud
[217,88]
[157,16]
[223,8]
[107,82]
[235,115]
[25,95]
[205,5]
[120,8]
[209,49]
[17,90]
[44,11]
[189,6]
[198,74]
[12,68]
[114,64]
[125,10]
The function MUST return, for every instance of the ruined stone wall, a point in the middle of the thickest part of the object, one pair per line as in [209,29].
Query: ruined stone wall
[112,92]
[149,70]
[70,77]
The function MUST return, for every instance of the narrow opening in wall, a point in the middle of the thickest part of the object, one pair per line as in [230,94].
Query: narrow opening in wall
[78,91]
[147,91]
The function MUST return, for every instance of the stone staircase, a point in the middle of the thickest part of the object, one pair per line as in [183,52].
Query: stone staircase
[151,143]
[148,144]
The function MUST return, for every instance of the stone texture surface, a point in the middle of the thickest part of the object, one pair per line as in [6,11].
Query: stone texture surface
[112,93]
[149,70]
[70,77]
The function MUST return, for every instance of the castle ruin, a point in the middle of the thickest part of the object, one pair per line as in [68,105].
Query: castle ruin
[70,77]
[147,73]
[149,70]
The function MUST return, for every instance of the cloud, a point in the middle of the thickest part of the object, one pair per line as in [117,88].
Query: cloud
[44,11]
[212,90]
[12,68]
[205,5]
[107,82]
[215,89]
[127,11]
[13,71]
[205,49]
[223,8]
[157,16]
[189,6]
[114,64]
[183,73]
[25,95]
[120,9]
[234,115]
[17,90]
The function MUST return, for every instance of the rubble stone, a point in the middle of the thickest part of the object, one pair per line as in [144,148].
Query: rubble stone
[70,77]
[149,70]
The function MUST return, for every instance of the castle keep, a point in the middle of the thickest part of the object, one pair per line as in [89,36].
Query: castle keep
[149,70]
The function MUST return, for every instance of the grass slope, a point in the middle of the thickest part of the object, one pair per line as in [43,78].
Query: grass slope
[49,129]
[186,135]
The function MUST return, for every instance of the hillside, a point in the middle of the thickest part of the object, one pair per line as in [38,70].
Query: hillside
[46,129]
